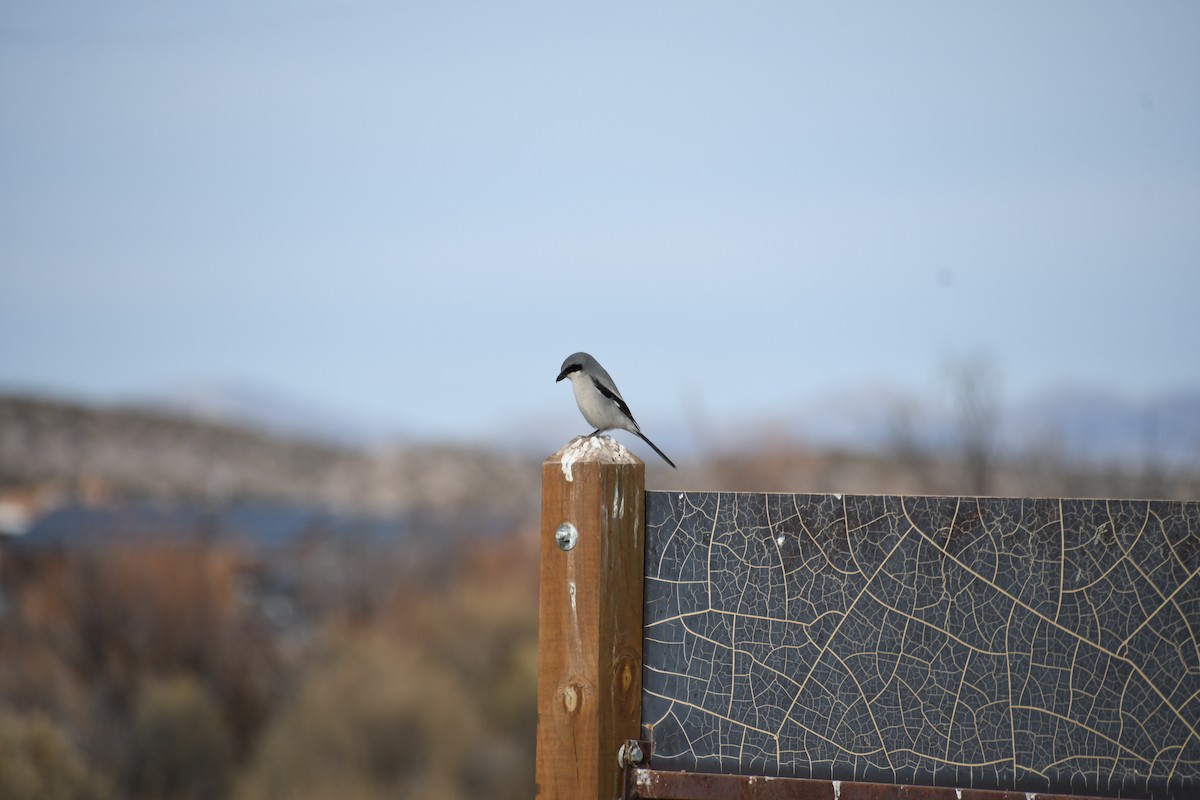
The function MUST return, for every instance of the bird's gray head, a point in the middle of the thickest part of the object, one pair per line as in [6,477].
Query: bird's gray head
[575,362]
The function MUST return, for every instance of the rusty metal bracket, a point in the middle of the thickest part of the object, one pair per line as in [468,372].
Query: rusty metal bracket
[631,766]
[643,783]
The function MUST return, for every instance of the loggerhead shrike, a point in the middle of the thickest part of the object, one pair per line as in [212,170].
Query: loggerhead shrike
[599,401]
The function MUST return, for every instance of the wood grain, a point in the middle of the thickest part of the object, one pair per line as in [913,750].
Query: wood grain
[590,645]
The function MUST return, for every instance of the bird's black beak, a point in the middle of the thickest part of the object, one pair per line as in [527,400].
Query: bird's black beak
[566,371]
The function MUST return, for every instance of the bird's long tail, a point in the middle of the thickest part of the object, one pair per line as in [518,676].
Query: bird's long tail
[655,448]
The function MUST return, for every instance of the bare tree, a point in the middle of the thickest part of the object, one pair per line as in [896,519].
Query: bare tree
[974,382]
[906,446]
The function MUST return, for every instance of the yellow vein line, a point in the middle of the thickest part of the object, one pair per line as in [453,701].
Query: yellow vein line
[711,713]
[957,698]
[926,623]
[842,621]
[1166,602]
[870,713]
[1191,726]
[1131,753]
[712,538]
[1117,562]
[1062,558]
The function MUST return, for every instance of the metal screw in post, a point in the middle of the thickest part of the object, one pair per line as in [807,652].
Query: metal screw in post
[566,536]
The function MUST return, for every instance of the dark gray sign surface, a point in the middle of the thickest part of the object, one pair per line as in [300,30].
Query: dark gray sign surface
[1038,645]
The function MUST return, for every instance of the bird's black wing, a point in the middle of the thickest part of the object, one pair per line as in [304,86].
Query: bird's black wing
[616,398]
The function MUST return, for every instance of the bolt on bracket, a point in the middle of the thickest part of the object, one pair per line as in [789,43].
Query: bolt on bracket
[630,754]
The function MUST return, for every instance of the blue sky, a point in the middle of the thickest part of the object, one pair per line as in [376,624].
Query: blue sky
[394,210]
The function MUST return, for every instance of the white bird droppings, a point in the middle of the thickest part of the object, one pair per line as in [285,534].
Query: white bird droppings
[603,448]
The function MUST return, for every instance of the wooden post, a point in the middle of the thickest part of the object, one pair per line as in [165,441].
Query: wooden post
[590,637]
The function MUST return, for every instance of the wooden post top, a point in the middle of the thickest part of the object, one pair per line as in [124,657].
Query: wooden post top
[592,449]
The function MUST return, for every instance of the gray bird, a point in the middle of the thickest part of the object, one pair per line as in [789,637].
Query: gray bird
[598,399]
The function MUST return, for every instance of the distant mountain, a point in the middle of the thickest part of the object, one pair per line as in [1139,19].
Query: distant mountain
[122,454]
[55,452]
[1081,424]
[1102,426]
[265,409]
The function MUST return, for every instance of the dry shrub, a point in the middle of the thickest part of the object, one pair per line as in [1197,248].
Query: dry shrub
[175,689]
[92,631]
[178,746]
[373,718]
[38,762]
[481,628]
[161,608]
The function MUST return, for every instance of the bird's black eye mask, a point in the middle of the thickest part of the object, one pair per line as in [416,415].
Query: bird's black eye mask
[568,370]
